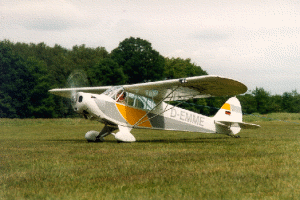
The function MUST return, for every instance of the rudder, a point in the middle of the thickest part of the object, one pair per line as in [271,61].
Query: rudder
[230,112]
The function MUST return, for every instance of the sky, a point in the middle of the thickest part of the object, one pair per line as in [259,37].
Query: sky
[253,41]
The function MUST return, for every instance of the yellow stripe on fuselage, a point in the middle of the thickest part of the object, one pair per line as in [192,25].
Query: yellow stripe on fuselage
[226,106]
[133,115]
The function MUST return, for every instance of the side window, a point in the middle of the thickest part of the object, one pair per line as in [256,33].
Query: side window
[121,96]
[139,101]
[130,100]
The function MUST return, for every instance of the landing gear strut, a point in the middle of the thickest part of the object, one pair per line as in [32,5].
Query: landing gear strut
[95,136]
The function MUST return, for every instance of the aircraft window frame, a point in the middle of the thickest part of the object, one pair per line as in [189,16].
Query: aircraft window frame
[140,102]
[130,99]
[121,97]
[113,91]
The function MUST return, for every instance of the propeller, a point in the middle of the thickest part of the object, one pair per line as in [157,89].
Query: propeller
[76,79]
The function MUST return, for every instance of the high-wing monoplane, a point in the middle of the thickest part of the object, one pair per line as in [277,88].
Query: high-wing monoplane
[144,105]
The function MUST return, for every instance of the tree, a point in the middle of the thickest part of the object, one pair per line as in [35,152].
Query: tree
[106,72]
[15,83]
[248,103]
[291,102]
[262,99]
[180,68]
[275,104]
[139,61]
[24,85]
[84,57]
[41,102]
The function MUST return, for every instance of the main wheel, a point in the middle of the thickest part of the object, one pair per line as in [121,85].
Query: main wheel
[92,136]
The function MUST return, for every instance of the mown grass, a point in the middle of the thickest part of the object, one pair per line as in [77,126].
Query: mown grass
[50,159]
[286,117]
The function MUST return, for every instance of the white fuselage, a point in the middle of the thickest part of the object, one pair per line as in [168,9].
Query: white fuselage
[165,116]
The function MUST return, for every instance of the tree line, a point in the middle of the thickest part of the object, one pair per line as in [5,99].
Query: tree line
[28,71]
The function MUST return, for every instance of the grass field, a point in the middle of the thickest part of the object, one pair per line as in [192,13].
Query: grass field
[50,159]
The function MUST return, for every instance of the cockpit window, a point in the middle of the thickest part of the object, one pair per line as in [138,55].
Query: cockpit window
[113,91]
[138,101]
[129,99]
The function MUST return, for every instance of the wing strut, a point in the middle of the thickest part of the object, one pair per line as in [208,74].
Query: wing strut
[182,81]
[164,111]
[138,122]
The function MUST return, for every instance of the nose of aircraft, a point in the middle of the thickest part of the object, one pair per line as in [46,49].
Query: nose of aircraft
[88,105]
[78,103]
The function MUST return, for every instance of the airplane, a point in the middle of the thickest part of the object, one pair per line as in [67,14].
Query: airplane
[144,106]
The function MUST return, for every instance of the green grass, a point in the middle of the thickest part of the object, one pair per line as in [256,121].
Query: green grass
[287,117]
[50,159]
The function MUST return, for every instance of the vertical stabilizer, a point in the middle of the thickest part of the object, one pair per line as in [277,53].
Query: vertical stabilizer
[230,112]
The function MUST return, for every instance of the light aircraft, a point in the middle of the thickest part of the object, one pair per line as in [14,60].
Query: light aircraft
[144,105]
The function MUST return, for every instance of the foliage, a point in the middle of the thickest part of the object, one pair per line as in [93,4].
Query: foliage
[291,102]
[139,61]
[180,68]
[41,102]
[263,102]
[24,86]
[106,72]
[28,71]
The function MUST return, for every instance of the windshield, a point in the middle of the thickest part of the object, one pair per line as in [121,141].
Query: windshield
[113,91]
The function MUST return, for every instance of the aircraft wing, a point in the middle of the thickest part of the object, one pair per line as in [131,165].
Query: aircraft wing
[171,90]
[181,89]
[66,92]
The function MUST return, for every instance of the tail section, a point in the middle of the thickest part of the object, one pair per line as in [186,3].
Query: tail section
[229,119]
[231,111]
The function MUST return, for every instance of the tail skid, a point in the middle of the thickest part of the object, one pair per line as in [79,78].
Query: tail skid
[228,119]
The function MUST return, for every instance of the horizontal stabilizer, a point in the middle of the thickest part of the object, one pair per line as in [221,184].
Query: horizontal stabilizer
[238,124]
